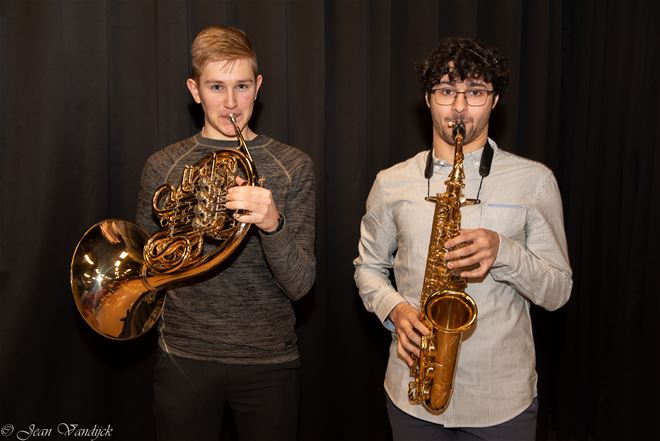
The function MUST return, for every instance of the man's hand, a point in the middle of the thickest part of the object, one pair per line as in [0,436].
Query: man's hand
[409,330]
[479,250]
[258,203]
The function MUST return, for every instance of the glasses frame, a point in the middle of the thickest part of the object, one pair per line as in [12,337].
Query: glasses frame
[488,93]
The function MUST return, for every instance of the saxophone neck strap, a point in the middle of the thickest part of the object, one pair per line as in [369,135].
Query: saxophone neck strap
[486,160]
[484,167]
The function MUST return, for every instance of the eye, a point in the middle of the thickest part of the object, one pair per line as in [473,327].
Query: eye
[446,91]
[475,92]
[216,87]
[242,87]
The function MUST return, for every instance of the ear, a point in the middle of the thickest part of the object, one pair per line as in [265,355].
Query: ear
[260,79]
[426,98]
[495,100]
[194,90]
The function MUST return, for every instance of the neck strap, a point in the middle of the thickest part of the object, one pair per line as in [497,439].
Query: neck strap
[484,166]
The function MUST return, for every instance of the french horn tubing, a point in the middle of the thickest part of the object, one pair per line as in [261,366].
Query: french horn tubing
[118,272]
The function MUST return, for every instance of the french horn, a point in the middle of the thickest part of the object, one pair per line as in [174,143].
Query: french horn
[119,272]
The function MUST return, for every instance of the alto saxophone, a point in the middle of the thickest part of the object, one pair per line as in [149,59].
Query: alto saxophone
[446,309]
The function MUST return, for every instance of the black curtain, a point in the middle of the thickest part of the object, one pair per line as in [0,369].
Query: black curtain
[89,89]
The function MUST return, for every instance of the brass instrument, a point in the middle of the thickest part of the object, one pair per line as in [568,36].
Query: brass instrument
[446,309]
[118,273]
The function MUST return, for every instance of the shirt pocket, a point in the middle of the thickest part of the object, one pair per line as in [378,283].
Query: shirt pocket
[506,219]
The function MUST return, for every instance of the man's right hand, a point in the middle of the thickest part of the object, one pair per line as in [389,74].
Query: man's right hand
[409,329]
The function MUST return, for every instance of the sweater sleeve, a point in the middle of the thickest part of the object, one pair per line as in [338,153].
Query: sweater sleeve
[290,251]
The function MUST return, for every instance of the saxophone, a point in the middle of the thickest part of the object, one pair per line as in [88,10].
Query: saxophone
[446,309]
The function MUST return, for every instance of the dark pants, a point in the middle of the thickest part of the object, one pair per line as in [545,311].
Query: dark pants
[190,397]
[406,427]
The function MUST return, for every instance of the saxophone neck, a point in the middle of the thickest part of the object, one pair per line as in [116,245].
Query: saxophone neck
[457,175]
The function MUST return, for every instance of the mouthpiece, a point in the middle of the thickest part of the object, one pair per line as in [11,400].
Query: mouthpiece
[232,118]
[458,128]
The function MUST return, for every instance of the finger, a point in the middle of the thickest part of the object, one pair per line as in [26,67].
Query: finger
[467,235]
[403,354]
[408,346]
[256,206]
[462,263]
[240,181]
[461,252]
[457,240]
[484,268]
[408,335]
[242,204]
[239,192]
[421,328]
[249,192]
[475,274]
[412,340]
[248,217]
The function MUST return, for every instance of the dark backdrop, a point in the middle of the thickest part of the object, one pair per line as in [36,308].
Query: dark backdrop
[88,89]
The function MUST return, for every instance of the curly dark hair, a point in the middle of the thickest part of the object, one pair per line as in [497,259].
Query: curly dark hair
[469,59]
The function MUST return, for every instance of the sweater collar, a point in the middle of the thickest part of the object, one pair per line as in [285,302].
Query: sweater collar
[257,142]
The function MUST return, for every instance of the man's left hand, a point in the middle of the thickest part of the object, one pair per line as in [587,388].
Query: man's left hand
[477,252]
[257,202]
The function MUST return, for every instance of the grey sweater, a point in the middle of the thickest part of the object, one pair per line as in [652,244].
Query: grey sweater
[241,313]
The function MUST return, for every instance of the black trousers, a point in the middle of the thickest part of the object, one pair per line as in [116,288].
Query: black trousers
[191,396]
[408,428]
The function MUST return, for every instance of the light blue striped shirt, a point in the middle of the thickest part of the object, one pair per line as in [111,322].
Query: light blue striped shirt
[495,375]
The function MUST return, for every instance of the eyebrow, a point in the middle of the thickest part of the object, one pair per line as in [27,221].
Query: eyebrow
[468,84]
[212,81]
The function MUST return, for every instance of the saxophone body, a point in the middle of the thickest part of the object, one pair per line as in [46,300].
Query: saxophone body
[446,309]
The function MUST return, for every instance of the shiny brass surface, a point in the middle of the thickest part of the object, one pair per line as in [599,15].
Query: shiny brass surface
[446,309]
[118,272]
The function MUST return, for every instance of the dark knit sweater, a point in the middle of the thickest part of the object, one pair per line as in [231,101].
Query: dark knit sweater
[241,313]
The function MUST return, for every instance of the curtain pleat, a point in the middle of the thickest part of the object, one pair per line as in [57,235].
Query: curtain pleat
[89,89]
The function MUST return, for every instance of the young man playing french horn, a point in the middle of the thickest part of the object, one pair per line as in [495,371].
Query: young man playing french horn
[228,341]
[508,250]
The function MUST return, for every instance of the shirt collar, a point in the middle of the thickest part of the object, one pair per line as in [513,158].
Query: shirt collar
[471,160]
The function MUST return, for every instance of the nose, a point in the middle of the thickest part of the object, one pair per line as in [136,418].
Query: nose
[460,104]
[230,99]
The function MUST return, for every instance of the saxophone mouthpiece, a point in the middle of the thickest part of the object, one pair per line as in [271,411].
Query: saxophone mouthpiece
[232,118]
[458,128]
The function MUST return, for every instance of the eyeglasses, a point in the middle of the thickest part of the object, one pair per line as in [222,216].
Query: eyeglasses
[445,96]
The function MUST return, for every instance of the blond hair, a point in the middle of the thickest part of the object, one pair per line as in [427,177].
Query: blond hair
[218,43]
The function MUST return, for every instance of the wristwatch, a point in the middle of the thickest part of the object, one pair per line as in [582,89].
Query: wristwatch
[280,225]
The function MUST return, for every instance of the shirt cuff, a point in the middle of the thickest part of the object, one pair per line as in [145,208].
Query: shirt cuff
[506,254]
[386,306]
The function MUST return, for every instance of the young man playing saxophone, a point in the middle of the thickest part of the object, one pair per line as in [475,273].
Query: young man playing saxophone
[228,340]
[513,252]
